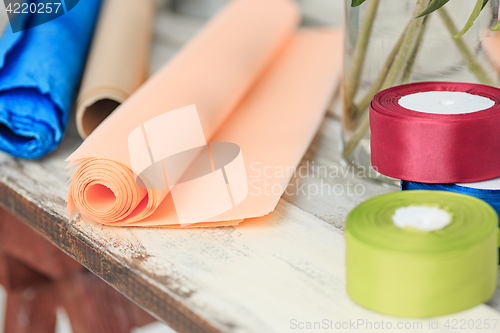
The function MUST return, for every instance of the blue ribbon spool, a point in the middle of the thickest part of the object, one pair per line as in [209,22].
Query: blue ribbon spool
[488,191]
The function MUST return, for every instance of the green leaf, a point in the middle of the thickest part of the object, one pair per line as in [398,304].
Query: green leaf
[475,13]
[434,5]
[496,27]
[356,3]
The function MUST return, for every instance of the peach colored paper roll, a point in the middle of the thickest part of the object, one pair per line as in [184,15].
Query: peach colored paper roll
[118,60]
[255,84]
[491,45]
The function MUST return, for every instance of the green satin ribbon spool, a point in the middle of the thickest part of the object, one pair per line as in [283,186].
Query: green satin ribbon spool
[411,273]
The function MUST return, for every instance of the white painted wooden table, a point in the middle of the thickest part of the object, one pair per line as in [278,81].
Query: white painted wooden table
[272,274]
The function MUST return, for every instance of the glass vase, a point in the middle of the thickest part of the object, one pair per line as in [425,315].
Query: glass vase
[387,45]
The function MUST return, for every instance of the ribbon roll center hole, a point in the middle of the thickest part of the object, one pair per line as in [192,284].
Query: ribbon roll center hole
[422,218]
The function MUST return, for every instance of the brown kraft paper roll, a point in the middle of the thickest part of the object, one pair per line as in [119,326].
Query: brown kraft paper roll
[118,60]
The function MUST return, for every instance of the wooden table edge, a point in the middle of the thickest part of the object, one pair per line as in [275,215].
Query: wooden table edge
[55,229]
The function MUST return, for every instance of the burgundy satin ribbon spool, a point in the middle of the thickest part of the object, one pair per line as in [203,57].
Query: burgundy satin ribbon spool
[435,148]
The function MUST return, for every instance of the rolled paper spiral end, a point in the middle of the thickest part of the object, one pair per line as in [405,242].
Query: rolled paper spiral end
[106,192]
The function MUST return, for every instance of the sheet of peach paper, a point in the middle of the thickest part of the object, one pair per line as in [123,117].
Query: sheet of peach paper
[491,46]
[214,72]
[118,60]
[490,42]
[275,124]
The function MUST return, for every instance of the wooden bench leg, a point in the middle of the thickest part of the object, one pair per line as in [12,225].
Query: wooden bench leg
[15,275]
[32,309]
[93,306]
[31,299]
[39,277]
[22,243]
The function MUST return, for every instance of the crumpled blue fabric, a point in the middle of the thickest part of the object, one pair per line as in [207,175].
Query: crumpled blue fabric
[40,70]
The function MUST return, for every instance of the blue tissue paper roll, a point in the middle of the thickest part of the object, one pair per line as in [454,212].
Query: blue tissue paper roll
[488,191]
[40,70]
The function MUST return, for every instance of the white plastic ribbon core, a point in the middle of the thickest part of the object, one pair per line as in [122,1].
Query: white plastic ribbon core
[445,102]
[492,184]
[423,218]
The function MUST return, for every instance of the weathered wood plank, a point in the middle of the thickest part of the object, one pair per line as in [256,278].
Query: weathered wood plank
[324,186]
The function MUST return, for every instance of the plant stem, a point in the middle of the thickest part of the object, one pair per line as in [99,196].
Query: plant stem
[403,56]
[394,73]
[414,52]
[363,104]
[353,75]
[357,135]
[472,62]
